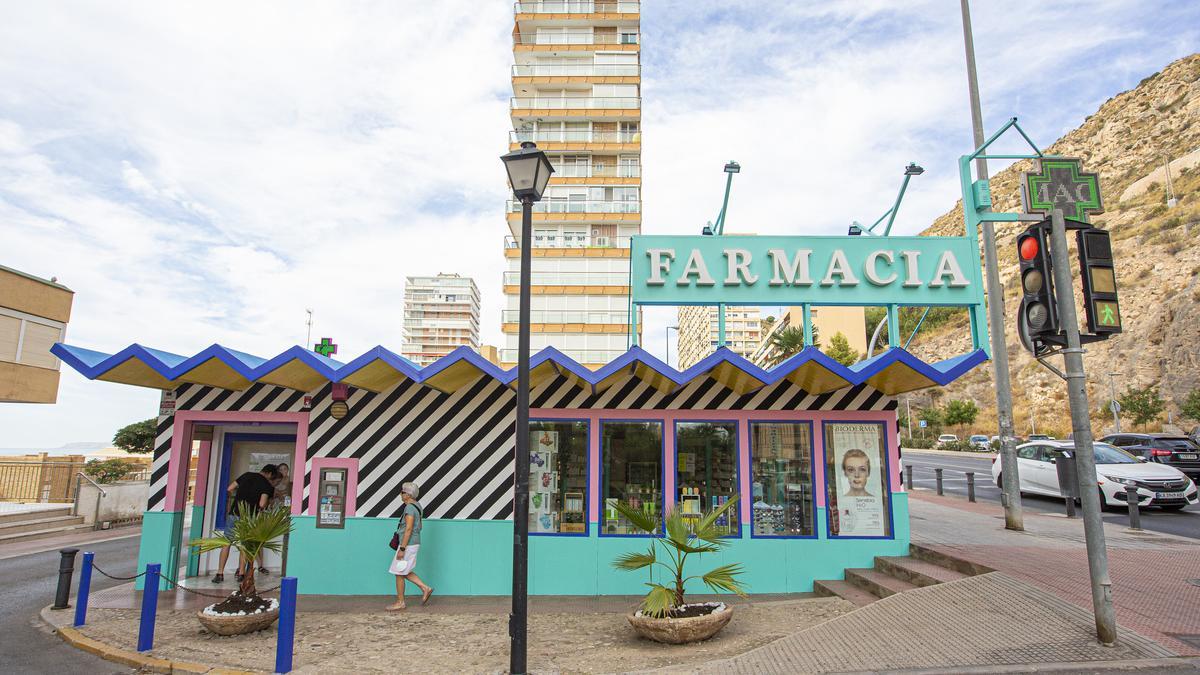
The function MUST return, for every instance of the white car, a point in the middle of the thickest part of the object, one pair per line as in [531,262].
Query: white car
[1157,484]
[947,438]
[980,442]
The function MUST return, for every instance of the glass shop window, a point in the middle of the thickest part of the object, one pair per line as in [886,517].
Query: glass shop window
[558,457]
[632,472]
[782,484]
[856,480]
[706,477]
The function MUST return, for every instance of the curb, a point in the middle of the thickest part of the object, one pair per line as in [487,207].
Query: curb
[78,640]
[1064,667]
[949,453]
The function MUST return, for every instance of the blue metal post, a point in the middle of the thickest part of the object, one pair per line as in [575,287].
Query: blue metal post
[285,642]
[893,320]
[85,587]
[149,607]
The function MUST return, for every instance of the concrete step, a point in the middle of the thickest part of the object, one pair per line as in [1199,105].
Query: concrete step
[47,532]
[948,561]
[33,514]
[836,588]
[876,582]
[36,524]
[916,571]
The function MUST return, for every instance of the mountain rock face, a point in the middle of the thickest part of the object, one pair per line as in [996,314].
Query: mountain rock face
[1129,141]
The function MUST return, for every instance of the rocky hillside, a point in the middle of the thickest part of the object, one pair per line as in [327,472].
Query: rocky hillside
[1128,141]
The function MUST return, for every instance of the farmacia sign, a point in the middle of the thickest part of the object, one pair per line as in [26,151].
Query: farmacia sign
[773,270]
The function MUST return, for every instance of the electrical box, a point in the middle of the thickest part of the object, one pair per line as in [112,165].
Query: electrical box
[331,502]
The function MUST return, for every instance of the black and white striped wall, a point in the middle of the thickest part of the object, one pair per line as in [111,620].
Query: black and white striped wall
[459,447]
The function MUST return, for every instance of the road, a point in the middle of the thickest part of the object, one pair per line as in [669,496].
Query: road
[29,581]
[1185,523]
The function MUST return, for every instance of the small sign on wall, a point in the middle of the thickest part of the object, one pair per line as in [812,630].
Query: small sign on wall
[166,403]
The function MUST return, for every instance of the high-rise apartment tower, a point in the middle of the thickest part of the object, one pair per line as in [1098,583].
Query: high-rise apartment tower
[440,314]
[576,84]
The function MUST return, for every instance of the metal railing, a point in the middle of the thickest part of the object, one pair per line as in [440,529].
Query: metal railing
[570,278]
[563,241]
[100,494]
[576,38]
[562,316]
[580,206]
[596,170]
[578,7]
[45,482]
[585,70]
[591,356]
[576,102]
[574,136]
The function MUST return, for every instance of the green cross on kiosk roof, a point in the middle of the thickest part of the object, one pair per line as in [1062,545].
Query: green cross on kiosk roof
[325,347]
[1060,183]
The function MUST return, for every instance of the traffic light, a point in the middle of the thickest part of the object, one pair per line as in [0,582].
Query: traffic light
[1099,281]
[1039,310]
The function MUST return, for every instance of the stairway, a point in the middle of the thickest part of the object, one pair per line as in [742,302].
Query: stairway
[22,525]
[896,574]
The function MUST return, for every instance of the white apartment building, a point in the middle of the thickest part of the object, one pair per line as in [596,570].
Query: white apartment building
[699,331]
[441,313]
[576,83]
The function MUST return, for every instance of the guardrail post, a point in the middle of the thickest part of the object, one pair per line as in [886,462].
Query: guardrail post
[938,474]
[66,569]
[85,587]
[149,607]
[1135,513]
[970,486]
[908,470]
[286,637]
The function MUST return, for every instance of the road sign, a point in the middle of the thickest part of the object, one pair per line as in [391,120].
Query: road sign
[1060,183]
[923,424]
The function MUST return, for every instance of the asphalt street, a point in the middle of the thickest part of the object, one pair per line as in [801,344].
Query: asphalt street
[1184,523]
[29,581]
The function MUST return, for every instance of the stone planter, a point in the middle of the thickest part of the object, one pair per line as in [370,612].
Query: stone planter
[234,624]
[681,631]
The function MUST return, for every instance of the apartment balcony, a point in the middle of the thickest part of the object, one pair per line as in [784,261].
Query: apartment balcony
[582,70]
[584,39]
[440,324]
[569,278]
[578,7]
[586,141]
[561,246]
[588,357]
[581,207]
[612,317]
[576,103]
[596,171]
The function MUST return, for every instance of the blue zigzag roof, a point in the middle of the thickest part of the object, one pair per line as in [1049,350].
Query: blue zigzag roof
[892,372]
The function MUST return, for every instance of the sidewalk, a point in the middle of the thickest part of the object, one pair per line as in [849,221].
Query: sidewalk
[77,540]
[1155,577]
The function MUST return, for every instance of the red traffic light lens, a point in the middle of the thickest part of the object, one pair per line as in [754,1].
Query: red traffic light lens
[1028,248]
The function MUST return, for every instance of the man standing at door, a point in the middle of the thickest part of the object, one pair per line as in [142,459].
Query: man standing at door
[249,493]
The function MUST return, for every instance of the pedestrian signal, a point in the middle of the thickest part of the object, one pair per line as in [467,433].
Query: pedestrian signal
[1099,281]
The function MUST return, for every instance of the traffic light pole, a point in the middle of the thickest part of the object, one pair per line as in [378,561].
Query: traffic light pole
[1081,433]
[1010,480]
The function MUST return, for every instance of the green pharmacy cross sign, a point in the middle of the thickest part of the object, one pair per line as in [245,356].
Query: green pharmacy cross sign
[1060,183]
[325,347]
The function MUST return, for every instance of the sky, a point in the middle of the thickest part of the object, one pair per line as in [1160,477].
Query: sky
[203,172]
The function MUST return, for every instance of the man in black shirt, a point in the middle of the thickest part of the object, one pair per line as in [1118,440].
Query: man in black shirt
[248,494]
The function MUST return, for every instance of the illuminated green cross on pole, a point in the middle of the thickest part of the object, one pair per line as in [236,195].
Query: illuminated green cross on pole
[325,347]
[1061,184]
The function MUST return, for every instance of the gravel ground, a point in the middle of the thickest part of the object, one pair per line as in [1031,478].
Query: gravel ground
[415,642]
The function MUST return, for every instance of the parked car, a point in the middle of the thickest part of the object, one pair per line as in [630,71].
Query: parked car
[1180,452]
[947,438]
[980,442]
[1157,484]
[1040,437]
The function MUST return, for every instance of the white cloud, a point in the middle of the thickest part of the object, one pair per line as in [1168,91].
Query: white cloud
[203,172]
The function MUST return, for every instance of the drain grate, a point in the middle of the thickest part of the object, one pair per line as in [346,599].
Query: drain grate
[1192,639]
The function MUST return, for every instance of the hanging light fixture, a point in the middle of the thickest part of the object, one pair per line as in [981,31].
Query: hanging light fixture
[339,408]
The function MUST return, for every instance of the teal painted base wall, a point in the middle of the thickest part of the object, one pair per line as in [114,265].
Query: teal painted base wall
[161,534]
[461,557]
[196,531]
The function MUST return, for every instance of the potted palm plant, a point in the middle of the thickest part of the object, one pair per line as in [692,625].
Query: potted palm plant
[245,611]
[663,615]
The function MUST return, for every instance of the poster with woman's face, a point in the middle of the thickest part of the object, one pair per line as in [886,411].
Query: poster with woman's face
[854,454]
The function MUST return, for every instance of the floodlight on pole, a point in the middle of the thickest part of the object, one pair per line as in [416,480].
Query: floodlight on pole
[528,172]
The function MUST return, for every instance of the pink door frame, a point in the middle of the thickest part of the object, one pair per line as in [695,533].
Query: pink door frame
[181,444]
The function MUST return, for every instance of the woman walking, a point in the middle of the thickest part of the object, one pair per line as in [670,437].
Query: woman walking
[409,531]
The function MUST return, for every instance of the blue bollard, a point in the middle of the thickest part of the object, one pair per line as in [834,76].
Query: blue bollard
[85,587]
[149,607]
[285,642]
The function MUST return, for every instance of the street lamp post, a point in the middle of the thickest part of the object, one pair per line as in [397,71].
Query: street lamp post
[528,173]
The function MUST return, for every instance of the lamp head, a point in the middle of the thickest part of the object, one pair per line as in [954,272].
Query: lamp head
[855,230]
[913,169]
[528,171]
[707,231]
[733,167]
